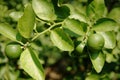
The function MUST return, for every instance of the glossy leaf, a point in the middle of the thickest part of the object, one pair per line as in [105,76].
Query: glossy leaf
[44,9]
[79,16]
[76,14]
[74,26]
[115,14]
[61,40]
[97,60]
[104,24]
[96,9]
[30,63]
[110,39]
[26,22]
[7,31]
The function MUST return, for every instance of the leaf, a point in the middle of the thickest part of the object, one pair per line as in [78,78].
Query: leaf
[79,16]
[97,60]
[104,24]
[62,12]
[93,77]
[61,40]
[110,39]
[26,22]
[74,26]
[115,14]
[30,63]
[96,9]
[16,15]
[62,2]
[7,31]
[118,44]
[44,9]
[109,56]
[75,14]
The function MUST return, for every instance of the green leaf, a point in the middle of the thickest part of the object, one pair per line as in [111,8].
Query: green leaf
[109,56]
[7,31]
[62,2]
[104,24]
[26,22]
[110,39]
[79,16]
[30,63]
[61,40]
[75,14]
[97,60]
[96,9]
[74,26]
[93,77]
[118,44]
[16,15]
[44,9]
[115,14]
[62,12]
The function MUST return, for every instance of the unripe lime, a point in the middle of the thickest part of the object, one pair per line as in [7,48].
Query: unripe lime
[13,50]
[95,42]
[80,47]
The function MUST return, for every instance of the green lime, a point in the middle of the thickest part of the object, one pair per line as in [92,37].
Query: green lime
[13,50]
[95,42]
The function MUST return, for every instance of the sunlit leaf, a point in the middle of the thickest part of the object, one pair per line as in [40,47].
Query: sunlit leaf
[61,40]
[26,22]
[96,9]
[30,63]
[76,14]
[110,39]
[16,15]
[74,26]
[79,16]
[109,56]
[104,24]
[93,77]
[44,9]
[7,31]
[98,60]
[115,14]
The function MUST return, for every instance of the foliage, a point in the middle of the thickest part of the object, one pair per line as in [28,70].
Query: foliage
[55,36]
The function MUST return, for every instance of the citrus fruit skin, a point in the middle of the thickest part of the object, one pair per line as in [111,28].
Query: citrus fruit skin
[13,50]
[95,42]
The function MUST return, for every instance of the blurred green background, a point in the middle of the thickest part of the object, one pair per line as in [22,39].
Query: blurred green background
[58,65]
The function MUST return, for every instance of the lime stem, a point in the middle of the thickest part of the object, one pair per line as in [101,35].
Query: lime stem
[43,32]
